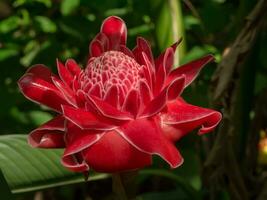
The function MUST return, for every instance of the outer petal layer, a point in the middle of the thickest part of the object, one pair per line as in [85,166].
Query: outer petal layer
[147,136]
[49,135]
[114,154]
[37,85]
[186,117]
[190,70]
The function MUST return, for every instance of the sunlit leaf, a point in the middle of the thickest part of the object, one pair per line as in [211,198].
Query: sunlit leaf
[45,24]
[68,6]
[9,24]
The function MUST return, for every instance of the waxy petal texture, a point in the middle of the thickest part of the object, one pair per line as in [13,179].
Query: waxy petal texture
[37,85]
[186,118]
[121,109]
[49,135]
[150,139]
[114,154]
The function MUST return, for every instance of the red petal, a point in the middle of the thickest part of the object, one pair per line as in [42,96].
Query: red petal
[49,135]
[77,139]
[170,92]
[163,70]
[155,106]
[109,111]
[148,70]
[143,46]
[41,71]
[147,136]
[104,40]
[126,51]
[84,119]
[96,90]
[65,91]
[176,88]
[145,93]
[115,29]
[112,96]
[160,59]
[73,163]
[190,70]
[37,89]
[112,153]
[73,67]
[64,74]
[186,117]
[96,48]
[132,102]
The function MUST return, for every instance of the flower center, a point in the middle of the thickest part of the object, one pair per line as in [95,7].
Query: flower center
[112,68]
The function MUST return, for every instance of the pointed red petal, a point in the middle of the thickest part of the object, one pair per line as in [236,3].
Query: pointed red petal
[170,92]
[37,89]
[126,51]
[186,117]
[65,91]
[145,93]
[41,71]
[73,67]
[143,46]
[132,102]
[96,48]
[64,73]
[112,96]
[190,70]
[176,88]
[49,135]
[103,39]
[109,111]
[147,136]
[96,90]
[84,119]
[160,59]
[115,29]
[75,163]
[112,153]
[77,139]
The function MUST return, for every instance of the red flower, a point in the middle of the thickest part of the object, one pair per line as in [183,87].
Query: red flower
[124,107]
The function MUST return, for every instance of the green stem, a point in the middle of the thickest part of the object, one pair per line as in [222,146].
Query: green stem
[118,187]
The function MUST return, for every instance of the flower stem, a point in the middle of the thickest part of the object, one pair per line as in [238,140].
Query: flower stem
[123,185]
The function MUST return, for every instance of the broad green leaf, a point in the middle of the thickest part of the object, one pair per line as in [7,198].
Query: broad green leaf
[170,28]
[28,169]
[68,6]
[4,190]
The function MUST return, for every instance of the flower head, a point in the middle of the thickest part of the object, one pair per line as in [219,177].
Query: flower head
[121,109]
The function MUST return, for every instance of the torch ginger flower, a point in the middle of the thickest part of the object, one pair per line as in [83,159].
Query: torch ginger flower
[119,111]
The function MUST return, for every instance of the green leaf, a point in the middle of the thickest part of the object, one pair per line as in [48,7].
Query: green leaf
[7,53]
[183,183]
[45,24]
[4,190]
[68,6]
[170,28]
[9,24]
[28,169]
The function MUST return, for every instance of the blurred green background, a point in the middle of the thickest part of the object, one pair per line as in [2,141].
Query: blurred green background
[39,31]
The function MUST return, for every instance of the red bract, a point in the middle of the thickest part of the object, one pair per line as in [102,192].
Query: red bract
[124,107]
